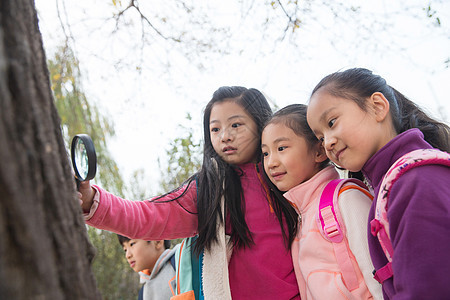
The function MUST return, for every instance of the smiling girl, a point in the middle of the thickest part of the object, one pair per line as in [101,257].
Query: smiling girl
[296,164]
[366,125]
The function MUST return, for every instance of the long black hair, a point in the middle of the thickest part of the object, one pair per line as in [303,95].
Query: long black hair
[224,179]
[358,84]
[217,178]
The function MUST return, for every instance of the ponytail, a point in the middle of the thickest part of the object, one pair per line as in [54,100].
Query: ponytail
[411,116]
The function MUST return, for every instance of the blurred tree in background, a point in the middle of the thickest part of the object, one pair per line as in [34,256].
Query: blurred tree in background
[78,115]
[183,159]
[115,279]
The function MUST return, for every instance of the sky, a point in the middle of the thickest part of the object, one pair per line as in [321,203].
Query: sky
[148,90]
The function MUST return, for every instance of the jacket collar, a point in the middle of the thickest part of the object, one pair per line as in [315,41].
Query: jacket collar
[375,168]
[304,194]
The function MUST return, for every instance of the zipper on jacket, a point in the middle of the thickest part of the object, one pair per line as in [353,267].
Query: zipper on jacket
[300,220]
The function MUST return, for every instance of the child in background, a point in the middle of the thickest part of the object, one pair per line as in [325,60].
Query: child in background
[155,263]
[367,125]
[227,196]
[296,164]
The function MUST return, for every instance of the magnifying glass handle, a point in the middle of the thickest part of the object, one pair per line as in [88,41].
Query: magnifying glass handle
[77,181]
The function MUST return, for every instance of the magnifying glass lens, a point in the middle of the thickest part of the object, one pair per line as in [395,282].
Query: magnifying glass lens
[84,159]
[81,159]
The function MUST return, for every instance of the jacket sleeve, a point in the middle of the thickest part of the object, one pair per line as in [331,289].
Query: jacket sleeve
[354,207]
[146,219]
[418,215]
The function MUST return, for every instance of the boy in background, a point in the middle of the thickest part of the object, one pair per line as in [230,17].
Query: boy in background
[155,263]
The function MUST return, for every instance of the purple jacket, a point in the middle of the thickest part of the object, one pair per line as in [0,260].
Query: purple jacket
[419,216]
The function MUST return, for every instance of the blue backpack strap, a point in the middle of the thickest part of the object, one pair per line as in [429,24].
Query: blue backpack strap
[141,293]
[183,271]
[172,262]
[188,269]
[200,274]
[195,269]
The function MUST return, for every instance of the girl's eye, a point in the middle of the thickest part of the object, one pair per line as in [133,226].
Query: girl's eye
[235,125]
[321,139]
[331,122]
[132,244]
[265,154]
[281,148]
[214,129]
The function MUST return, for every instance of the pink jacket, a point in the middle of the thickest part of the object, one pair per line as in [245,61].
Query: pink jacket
[317,270]
[263,271]
[151,220]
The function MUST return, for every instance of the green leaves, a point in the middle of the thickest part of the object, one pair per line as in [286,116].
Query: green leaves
[115,279]
[78,115]
[183,159]
[431,14]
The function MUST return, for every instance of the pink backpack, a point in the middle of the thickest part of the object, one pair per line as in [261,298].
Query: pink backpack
[329,220]
[380,224]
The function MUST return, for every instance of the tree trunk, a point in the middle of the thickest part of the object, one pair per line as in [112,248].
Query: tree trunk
[44,249]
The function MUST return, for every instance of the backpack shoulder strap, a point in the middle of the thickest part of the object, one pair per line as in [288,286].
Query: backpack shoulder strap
[141,293]
[329,221]
[172,262]
[183,267]
[380,224]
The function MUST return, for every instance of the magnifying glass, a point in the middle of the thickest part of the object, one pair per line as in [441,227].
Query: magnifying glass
[84,159]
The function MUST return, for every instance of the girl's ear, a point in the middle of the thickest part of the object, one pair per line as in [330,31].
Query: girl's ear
[158,244]
[321,156]
[380,106]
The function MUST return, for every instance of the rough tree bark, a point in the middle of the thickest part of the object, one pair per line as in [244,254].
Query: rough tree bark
[44,249]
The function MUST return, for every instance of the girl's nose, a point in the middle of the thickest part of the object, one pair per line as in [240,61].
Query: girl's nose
[128,254]
[329,142]
[226,135]
[272,161]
